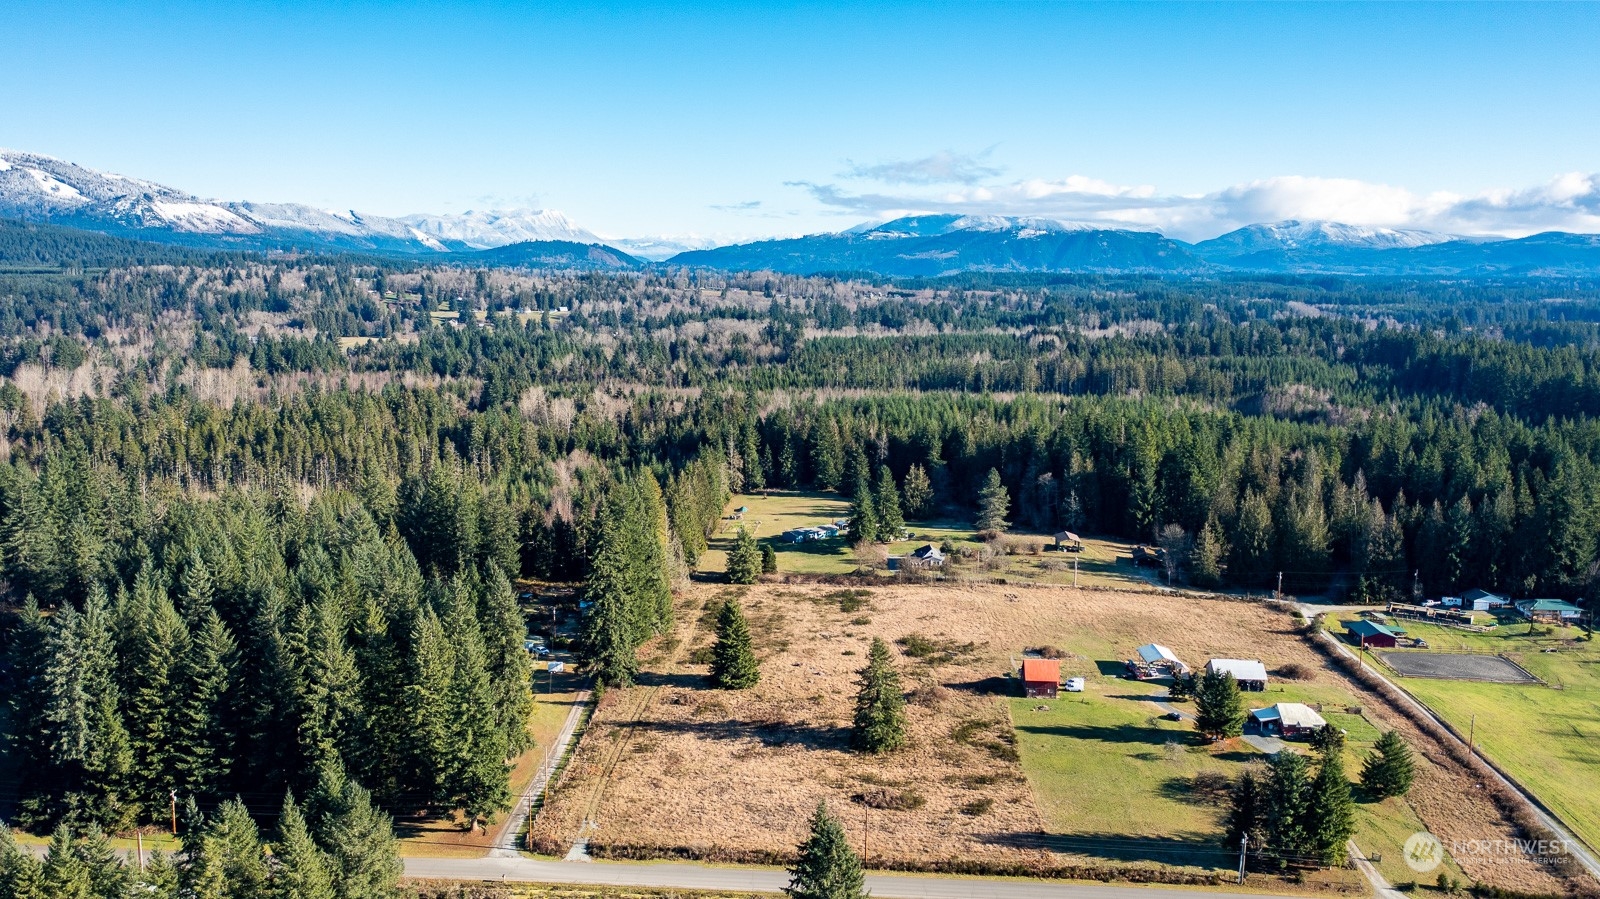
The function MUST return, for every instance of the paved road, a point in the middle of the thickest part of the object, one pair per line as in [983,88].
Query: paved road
[767,880]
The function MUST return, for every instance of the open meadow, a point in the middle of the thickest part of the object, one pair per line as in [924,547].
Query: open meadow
[990,781]
[1101,563]
[1545,735]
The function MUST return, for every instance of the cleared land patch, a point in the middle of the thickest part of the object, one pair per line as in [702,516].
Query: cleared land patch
[989,780]
[1457,666]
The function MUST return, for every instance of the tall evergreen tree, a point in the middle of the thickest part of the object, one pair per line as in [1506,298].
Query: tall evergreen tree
[1389,768]
[301,869]
[916,492]
[63,874]
[880,718]
[827,868]
[864,524]
[886,502]
[1219,710]
[20,876]
[733,665]
[1330,812]
[1205,560]
[1288,798]
[1246,813]
[993,504]
[608,637]
[201,752]
[744,559]
[510,667]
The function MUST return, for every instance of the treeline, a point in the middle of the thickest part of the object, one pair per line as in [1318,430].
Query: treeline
[1466,499]
[247,644]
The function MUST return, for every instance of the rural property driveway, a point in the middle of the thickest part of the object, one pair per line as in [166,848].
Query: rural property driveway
[767,880]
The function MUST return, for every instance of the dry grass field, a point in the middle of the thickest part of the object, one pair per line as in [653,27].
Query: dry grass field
[672,768]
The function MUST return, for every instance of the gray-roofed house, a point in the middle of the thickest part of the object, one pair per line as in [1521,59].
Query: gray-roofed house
[1250,673]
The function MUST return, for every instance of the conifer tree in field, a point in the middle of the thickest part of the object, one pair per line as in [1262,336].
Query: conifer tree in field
[744,559]
[880,718]
[1389,768]
[916,493]
[733,665]
[1246,811]
[1330,812]
[827,868]
[1219,710]
[234,843]
[1288,791]
[886,502]
[608,636]
[994,503]
[769,559]
[301,869]
[863,513]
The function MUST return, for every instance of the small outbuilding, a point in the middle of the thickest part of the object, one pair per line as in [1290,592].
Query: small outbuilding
[1287,719]
[1068,542]
[1041,678]
[1371,633]
[1250,673]
[925,556]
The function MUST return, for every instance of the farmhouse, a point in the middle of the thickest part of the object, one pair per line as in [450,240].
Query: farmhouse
[1287,719]
[1040,677]
[1250,673]
[1554,611]
[925,556]
[1371,633]
[1066,541]
[1152,556]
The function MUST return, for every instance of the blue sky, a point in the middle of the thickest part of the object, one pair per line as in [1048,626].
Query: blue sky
[754,119]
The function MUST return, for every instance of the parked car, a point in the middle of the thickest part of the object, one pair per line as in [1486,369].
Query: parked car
[1073,685]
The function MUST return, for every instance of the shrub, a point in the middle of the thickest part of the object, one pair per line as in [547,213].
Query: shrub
[890,800]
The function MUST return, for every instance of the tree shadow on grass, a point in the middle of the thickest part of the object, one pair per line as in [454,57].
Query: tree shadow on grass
[988,686]
[1175,849]
[687,681]
[1111,668]
[1123,734]
[769,733]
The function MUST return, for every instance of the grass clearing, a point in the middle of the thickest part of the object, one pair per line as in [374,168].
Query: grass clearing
[1102,563]
[1546,737]
[1095,778]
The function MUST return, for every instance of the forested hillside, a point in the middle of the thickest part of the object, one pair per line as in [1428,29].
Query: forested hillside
[260,519]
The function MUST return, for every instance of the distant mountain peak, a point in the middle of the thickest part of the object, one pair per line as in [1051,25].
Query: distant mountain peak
[1297,234]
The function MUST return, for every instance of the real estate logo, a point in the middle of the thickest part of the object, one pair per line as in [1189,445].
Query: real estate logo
[1423,852]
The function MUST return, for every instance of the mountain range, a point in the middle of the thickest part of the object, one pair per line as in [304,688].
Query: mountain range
[41,188]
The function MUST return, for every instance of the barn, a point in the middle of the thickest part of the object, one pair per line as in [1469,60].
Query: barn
[1371,633]
[1041,677]
[1250,673]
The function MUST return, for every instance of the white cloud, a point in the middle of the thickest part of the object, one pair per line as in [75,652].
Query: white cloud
[946,167]
[1568,202]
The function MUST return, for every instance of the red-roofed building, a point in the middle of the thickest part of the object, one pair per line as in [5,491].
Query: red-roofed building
[1041,677]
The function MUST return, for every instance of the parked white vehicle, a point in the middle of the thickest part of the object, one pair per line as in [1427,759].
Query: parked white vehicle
[1074,685]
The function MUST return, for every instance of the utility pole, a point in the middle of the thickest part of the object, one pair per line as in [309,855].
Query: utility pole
[1244,840]
[174,812]
[138,837]
[1279,593]
[865,809]
[1074,571]
[1472,733]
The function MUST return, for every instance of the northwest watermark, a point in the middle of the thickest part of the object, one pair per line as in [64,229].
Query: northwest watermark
[1424,852]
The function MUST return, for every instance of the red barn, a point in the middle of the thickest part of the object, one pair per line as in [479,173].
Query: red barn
[1041,677]
[1371,633]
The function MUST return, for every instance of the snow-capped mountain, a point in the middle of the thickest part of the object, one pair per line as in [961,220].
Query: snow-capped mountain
[932,245]
[42,188]
[1298,235]
[657,249]
[484,230]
